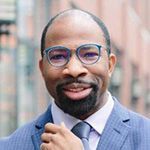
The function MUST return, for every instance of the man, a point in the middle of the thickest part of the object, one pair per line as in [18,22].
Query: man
[76,66]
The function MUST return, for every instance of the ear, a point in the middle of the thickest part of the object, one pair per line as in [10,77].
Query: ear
[41,66]
[112,63]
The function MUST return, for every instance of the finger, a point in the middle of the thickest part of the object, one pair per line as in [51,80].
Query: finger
[63,124]
[52,128]
[46,137]
[45,146]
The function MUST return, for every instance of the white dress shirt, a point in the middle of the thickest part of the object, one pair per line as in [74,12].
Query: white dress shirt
[97,120]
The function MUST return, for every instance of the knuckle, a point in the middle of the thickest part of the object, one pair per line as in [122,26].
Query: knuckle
[43,135]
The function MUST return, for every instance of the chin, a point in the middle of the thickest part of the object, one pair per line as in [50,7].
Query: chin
[80,107]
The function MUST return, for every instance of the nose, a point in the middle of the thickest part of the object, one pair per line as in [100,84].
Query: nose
[75,68]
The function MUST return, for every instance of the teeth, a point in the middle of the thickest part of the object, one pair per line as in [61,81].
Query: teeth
[76,90]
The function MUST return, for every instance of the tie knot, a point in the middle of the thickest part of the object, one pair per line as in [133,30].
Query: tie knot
[82,130]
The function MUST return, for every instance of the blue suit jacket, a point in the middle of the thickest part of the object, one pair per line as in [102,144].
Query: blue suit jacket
[125,130]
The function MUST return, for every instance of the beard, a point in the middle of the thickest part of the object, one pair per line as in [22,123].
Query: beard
[76,108]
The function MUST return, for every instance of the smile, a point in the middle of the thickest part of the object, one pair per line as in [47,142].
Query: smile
[77,91]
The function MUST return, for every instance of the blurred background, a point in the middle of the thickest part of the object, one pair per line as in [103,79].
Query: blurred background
[22,92]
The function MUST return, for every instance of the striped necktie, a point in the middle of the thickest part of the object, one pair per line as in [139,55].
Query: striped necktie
[82,130]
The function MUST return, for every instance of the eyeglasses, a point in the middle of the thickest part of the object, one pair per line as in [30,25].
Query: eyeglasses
[59,56]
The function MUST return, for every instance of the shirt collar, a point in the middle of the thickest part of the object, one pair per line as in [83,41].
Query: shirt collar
[96,120]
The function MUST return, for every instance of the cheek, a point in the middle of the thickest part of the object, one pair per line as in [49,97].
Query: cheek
[100,69]
[101,73]
[102,79]
[51,78]
[51,73]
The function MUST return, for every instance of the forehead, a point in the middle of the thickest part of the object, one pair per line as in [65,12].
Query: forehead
[74,27]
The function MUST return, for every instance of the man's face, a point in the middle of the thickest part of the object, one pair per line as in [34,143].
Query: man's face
[78,89]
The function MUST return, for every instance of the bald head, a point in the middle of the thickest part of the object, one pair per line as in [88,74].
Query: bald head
[73,13]
[73,17]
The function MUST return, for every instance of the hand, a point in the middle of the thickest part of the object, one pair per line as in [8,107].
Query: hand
[58,137]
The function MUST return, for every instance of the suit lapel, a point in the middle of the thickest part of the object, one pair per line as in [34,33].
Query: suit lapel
[36,139]
[39,128]
[116,129]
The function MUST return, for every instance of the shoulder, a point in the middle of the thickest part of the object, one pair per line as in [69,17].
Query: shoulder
[139,134]
[132,118]
[19,138]
[140,123]
[22,138]
[137,127]
[137,123]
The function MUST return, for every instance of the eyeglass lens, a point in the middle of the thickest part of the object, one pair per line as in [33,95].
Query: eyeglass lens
[88,54]
[58,57]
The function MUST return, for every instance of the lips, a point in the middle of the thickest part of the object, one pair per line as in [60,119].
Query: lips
[77,91]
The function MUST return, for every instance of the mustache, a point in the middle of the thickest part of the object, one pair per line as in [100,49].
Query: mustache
[70,80]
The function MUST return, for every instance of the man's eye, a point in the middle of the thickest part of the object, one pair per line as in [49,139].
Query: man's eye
[57,57]
[90,55]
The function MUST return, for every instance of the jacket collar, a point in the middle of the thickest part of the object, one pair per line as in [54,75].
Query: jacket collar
[39,128]
[116,129]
